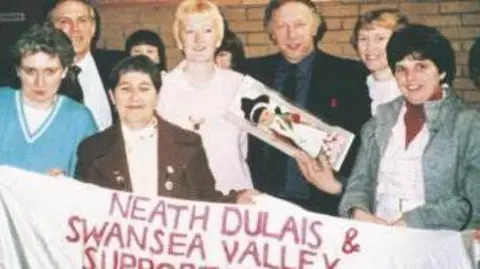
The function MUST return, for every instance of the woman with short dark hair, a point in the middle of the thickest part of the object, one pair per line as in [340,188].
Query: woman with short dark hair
[148,43]
[143,153]
[230,54]
[419,162]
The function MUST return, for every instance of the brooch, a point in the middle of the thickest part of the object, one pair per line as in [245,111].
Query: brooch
[118,177]
[197,122]
[168,182]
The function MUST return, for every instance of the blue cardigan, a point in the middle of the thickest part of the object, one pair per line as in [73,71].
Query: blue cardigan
[451,165]
[53,145]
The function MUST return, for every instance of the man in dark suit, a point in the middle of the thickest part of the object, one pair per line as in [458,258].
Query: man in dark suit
[79,20]
[329,87]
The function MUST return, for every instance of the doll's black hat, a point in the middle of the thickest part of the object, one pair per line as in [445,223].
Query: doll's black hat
[252,108]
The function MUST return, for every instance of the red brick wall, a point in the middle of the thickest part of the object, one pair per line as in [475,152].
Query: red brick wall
[458,20]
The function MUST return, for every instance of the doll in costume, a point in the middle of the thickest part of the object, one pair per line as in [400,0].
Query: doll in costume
[284,125]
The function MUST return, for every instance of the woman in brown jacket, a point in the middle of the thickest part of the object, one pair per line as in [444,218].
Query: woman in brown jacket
[142,153]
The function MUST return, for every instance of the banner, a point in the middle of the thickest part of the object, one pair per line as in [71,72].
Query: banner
[48,223]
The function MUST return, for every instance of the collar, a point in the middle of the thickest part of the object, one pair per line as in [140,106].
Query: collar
[177,74]
[373,83]
[303,66]
[85,61]
[437,112]
[144,133]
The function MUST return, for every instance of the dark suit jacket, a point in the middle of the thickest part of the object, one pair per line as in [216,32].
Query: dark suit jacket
[338,95]
[105,60]
[102,160]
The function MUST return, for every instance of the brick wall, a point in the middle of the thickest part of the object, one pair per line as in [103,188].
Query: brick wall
[458,20]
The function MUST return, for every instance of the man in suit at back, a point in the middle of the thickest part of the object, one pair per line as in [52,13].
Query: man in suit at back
[327,86]
[85,83]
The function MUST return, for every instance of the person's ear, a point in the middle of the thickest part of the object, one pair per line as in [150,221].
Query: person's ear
[443,75]
[273,38]
[157,98]
[315,22]
[111,96]
[179,42]
[64,72]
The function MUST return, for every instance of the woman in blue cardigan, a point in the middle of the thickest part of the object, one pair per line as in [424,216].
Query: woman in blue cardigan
[419,162]
[40,129]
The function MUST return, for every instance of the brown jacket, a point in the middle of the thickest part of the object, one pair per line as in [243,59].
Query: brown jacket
[102,160]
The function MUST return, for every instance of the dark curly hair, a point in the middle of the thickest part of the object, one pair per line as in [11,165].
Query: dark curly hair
[422,42]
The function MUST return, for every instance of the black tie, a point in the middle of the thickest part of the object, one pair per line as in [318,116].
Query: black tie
[71,85]
[290,83]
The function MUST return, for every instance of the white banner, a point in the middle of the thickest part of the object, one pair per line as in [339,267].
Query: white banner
[60,223]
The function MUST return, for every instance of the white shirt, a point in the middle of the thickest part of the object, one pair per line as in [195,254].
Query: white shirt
[225,144]
[142,157]
[35,116]
[381,91]
[94,95]
[400,185]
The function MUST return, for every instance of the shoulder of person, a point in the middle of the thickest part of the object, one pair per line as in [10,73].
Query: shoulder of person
[6,92]
[73,106]
[255,63]
[172,76]
[108,56]
[7,97]
[345,64]
[179,134]
[98,143]
[468,116]
[264,58]
[79,113]
[232,78]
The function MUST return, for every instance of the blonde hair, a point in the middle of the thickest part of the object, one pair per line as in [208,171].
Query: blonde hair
[387,18]
[200,7]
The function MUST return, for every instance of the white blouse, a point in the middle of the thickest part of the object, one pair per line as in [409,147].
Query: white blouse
[400,185]
[202,111]
[141,147]
[381,91]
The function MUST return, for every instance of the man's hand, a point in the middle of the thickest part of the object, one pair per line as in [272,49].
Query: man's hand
[318,172]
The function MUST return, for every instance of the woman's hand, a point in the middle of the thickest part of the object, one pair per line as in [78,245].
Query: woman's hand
[399,223]
[318,172]
[245,197]
[361,215]
[55,172]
